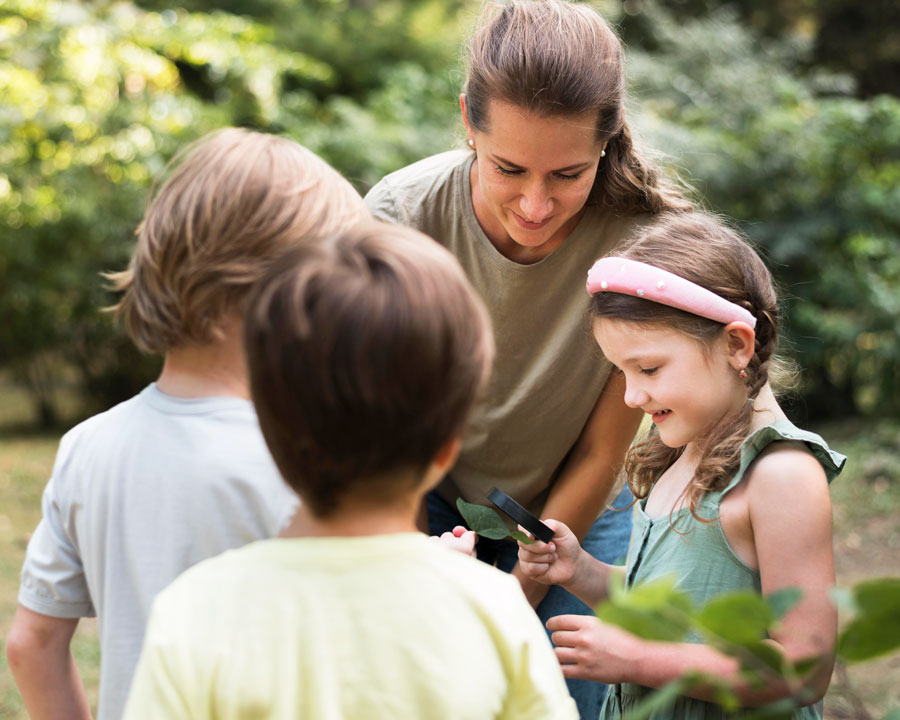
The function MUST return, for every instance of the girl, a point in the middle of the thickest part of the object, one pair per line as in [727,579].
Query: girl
[732,495]
[549,181]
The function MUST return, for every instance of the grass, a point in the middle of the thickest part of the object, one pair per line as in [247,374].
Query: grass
[867,544]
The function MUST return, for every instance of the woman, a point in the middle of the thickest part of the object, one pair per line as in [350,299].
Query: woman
[550,182]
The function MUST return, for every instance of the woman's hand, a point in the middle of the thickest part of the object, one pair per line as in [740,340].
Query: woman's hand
[553,563]
[589,648]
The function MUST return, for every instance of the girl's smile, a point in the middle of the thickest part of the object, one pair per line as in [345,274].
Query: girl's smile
[684,385]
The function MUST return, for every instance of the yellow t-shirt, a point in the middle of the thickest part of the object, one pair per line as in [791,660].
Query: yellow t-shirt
[389,626]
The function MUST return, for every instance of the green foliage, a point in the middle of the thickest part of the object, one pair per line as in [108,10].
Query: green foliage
[654,611]
[738,625]
[96,99]
[487,523]
[875,628]
[813,180]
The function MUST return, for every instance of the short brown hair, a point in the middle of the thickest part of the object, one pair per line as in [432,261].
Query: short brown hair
[366,351]
[235,199]
[552,58]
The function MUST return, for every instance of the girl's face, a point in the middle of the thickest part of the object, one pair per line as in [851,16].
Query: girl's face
[531,177]
[685,386]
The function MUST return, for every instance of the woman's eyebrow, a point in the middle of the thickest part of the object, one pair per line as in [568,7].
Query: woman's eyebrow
[511,164]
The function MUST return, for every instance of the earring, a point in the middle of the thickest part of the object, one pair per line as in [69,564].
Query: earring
[742,374]
[603,153]
[471,143]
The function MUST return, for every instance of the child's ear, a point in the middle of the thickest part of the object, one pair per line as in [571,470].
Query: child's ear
[448,453]
[741,344]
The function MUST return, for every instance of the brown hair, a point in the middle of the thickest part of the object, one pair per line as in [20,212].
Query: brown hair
[366,351]
[552,57]
[235,199]
[707,252]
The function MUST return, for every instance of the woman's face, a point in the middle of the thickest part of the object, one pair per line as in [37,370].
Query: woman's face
[531,177]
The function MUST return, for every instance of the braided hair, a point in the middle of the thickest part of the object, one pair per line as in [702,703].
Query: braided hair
[703,249]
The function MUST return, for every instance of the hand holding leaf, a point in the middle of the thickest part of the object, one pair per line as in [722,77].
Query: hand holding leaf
[487,523]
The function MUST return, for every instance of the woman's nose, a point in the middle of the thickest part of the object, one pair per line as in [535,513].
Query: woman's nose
[535,202]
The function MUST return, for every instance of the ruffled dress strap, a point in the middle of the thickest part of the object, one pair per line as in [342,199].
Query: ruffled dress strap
[832,462]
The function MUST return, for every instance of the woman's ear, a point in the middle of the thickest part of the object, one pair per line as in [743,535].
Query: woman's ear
[741,344]
[465,115]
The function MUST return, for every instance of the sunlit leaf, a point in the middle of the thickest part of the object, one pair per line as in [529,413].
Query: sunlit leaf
[658,700]
[653,611]
[875,630]
[521,537]
[781,601]
[761,657]
[483,520]
[739,617]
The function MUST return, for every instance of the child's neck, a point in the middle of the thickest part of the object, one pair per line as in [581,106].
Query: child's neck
[218,369]
[667,495]
[355,519]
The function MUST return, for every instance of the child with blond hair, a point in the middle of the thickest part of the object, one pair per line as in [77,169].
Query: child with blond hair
[180,472]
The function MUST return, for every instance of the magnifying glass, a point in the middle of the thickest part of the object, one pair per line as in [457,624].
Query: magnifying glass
[520,515]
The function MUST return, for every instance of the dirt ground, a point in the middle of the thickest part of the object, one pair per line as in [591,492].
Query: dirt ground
[867,545]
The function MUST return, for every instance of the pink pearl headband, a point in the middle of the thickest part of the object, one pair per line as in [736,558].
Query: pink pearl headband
[630,277]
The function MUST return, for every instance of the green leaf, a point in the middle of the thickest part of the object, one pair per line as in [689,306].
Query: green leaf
[779,710]
[806,665]
[843,599]
[654,611]
[658,700]
[521,537]
[875,630]
[762,656]
[740,618]
[484,521]
[893,715]
[781,601]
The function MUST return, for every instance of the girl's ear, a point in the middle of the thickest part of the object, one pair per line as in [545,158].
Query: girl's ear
[741,344]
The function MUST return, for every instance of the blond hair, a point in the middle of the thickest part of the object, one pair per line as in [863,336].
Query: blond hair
[704,250]
[553,58]
[235,199]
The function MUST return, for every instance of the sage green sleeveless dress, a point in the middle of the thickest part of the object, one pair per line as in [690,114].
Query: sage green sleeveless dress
[705,565]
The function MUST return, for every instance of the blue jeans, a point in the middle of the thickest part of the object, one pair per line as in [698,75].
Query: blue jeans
[607,540]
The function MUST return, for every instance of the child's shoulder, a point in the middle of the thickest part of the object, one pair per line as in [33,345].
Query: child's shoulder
[783,452]
[107,422]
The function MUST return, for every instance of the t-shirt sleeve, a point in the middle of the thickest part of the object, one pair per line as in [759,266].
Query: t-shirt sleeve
[383,205]
[537,689]
[158,689]
[53,579]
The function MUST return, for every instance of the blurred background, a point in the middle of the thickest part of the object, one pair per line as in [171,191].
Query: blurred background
[782,114]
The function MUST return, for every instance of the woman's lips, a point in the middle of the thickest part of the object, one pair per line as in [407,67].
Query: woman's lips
[528,225]
[658,417]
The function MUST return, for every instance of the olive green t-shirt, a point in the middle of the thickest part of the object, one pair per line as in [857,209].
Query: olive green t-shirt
[548,372]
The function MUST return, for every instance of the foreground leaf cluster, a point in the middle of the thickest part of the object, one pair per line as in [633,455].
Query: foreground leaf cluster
[739,624]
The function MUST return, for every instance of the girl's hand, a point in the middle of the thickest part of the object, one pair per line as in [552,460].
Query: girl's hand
[553,563]
[459,539]
[590,649]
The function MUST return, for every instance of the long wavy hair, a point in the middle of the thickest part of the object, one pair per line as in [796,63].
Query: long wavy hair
[555,58]
[706,251]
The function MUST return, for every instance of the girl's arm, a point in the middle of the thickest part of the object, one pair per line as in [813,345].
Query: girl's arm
[789,512]
[590,471]
[563,562]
